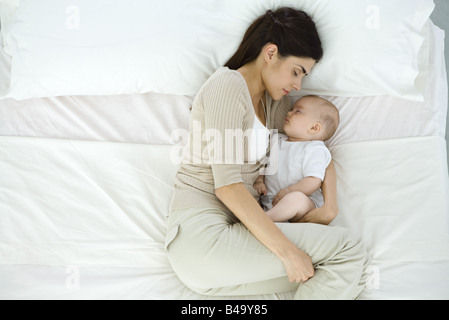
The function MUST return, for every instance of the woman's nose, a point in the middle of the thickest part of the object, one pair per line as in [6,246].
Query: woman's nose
[297,85]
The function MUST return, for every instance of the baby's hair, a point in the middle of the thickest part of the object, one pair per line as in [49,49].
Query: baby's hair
[328,115]
[330,122]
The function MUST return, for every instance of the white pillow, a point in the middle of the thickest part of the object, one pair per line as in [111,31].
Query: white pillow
[7,10]
[377,50]
[104,47]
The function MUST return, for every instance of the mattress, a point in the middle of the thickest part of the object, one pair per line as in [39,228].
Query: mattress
[96,219]
[86,182]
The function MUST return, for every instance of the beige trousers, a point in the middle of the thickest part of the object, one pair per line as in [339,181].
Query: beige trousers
[215,254]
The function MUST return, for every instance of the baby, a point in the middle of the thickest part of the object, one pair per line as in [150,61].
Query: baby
[294,189]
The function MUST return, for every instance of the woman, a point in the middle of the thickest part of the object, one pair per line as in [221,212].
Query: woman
[219,240]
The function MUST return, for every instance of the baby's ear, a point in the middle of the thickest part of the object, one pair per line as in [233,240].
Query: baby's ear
[316,128]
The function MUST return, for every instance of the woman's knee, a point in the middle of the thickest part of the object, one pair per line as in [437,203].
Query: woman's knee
[352,248]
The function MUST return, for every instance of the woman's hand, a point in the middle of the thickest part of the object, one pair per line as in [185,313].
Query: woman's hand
[298,265]
[237,198]
[322,215]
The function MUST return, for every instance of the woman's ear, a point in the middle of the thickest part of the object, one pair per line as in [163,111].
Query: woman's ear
[270,52]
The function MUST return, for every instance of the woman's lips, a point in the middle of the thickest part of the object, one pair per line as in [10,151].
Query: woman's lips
[286,92]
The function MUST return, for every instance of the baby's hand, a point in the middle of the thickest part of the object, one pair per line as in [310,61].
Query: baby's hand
[260,187]
[279,196]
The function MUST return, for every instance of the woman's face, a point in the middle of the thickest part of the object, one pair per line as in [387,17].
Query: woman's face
[284,75]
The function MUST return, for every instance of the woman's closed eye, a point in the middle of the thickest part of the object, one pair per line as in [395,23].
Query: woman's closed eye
[299,70]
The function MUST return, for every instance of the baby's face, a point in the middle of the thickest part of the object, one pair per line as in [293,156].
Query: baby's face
[300,120]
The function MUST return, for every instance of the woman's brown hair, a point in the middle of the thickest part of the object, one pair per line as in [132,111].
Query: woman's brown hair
[291,30]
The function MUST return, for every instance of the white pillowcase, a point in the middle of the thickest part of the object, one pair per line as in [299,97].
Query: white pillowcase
[104,47]
[375,52]
[7,10]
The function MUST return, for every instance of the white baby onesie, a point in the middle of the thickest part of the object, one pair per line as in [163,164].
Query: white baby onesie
[294,161]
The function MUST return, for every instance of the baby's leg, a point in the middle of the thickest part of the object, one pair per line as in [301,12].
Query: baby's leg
[291,207]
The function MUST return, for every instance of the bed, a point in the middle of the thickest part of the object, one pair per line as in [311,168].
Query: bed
[90,139]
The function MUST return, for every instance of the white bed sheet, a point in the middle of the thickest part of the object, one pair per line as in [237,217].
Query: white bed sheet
[108,245]
[394,194]
[86,217]
[76,225]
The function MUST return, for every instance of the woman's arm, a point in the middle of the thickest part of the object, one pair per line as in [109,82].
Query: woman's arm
[239,200]
[328,212]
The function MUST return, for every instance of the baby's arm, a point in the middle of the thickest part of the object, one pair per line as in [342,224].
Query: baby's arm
[307,185]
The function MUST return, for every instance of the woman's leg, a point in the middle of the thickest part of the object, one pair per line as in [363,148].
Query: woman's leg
[214,254]
[291,207]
